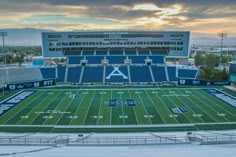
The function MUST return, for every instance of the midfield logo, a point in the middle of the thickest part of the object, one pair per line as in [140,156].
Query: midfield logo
[116,72]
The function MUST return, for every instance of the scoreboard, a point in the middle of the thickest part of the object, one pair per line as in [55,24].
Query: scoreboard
[232,72]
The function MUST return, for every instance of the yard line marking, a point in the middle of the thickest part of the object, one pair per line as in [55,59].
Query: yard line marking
[77,109]
[21,108]
[154,106]
[134,110]
[122,110]
[99,109]
[111,110]
[55,109]
[206,106]
[163,104]
[199,106]
[32,120]
[144,107]
[89,107]
[219,106]
[210,106]
[177,107]
[59,118]
[188,106]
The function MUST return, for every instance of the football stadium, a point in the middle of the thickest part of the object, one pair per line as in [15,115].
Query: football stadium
[113,82]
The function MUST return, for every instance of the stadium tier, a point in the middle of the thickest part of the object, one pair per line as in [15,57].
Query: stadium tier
[140,74]
[159,73]
[172,73]
[117,56]
[74,59]
[74,74]
[187,73]
[61,72]
[48,72]
[92,74]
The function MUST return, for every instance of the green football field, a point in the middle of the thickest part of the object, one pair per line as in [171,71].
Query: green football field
[118,109]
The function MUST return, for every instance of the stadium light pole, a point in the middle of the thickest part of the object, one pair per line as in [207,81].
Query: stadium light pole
[222,36]
[3,34]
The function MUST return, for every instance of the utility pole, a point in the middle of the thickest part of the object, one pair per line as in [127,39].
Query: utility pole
[222,36]
[3,34]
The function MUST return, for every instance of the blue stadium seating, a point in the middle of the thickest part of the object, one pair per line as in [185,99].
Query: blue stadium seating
[157,59]
[92,74]
[61,70]
[130,52]
[140,74]
[72,53]
[138,59]
[187,73]
[74,74]
[116,59]
[49,72]
[116,52]
[159,73]
[75,59]
[172,73]
[94,59]
[101,52]
[143,52]
[122,69]
[159,52]
[88,53]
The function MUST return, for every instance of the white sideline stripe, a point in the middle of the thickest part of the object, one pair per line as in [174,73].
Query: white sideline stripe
[154,88]
[116,126]
[11,96]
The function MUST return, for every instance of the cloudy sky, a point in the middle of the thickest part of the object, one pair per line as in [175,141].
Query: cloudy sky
[205,17]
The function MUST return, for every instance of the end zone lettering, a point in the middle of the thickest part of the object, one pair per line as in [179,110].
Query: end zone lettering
[13,101]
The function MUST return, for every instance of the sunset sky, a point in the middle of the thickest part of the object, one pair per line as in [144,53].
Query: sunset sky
[206,17]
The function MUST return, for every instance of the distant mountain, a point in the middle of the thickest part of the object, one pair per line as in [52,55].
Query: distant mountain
[31,36]
[23,37]
[212,41]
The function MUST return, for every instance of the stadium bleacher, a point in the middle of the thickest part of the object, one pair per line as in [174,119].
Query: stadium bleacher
[88,52]
[121,73]
[171,70]
[157,59]
[140,74]
[94,59]
[130,52]
[116,59]
[137,59]
[74,74]
[102,52]
[116,52]
[74,59]
[48,72]
[61,71]
[134,66]
[143,52]
[92,74]
[187,73]
[159,73]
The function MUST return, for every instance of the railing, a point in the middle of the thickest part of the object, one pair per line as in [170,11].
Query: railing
[95,140]
[108,141]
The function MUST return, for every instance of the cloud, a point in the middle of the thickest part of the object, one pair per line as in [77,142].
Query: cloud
[198,16]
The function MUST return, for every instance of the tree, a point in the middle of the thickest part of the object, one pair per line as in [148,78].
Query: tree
[211,61]
[199,59]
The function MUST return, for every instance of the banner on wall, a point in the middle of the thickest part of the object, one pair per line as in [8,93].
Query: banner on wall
[32,84]
[201,82]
